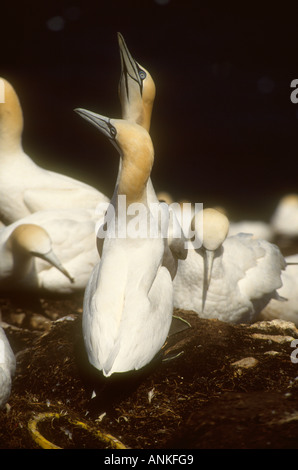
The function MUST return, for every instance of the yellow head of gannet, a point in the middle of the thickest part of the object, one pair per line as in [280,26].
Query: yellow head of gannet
[215,231]
[135,148]
[25,187]
[27,241]
[136,88]
[11,120]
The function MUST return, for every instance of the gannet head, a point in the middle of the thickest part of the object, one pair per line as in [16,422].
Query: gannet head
[11,118]
[164,196]
[28,240]
[215,231]
[136,88]
[134,145]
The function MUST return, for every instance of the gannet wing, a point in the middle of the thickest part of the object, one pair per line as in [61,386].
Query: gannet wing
[49,199]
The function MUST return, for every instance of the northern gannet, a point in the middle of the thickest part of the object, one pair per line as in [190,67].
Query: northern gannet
[136,88]
[231,279]
[24,186]
[7,368]
[128,301]
[137,93]
[53,251]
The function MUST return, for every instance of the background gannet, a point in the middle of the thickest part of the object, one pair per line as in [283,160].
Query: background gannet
[287,307]
[7,368]
[18,250]
[24,186]
[244,274]
[128,301]
[27,261]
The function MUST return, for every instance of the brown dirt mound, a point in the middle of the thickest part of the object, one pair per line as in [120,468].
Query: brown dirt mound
[194,395]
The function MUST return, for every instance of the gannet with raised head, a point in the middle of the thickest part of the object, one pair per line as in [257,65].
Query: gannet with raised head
[231,279]
[136,88]
[128,301]
[53,251]
[24,186]
[137,93]
[7,368]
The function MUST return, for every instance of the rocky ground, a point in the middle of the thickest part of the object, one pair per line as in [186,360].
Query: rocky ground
[214,386]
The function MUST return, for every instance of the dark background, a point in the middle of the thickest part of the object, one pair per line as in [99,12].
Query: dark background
[223,127]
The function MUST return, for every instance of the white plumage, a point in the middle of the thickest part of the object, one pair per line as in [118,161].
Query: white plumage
[7,368]
[245,274]
[287,308]
[128,301]
[53,240]
[24,186]
[284,220]
[257,228]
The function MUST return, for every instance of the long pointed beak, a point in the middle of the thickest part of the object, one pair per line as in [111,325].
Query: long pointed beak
[51,258]
[101,122]
[129,67]
[208,263]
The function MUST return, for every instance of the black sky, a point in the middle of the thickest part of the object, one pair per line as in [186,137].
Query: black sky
[224,128]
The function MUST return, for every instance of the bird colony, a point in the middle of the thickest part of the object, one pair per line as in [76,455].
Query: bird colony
[138,255]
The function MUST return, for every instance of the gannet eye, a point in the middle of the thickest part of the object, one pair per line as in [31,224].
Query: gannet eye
[142,74]
[113,130]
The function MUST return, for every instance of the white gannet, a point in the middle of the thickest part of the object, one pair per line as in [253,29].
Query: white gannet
[284,220]
[7,368]
[24,186]
[137,93]
[231,279]
[287,308]
[53,251]
[128,301]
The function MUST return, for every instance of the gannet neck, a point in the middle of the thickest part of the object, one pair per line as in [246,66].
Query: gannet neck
[135,148]
[134,175]
[11,120]
[215,231]
[136,88]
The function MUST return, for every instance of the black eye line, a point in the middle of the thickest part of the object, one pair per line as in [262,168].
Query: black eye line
[125,71]
[113,130]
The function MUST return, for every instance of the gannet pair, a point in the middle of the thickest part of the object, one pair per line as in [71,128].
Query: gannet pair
[128,302]
[24,186]
[7,368]
[53,251]
[231,279]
